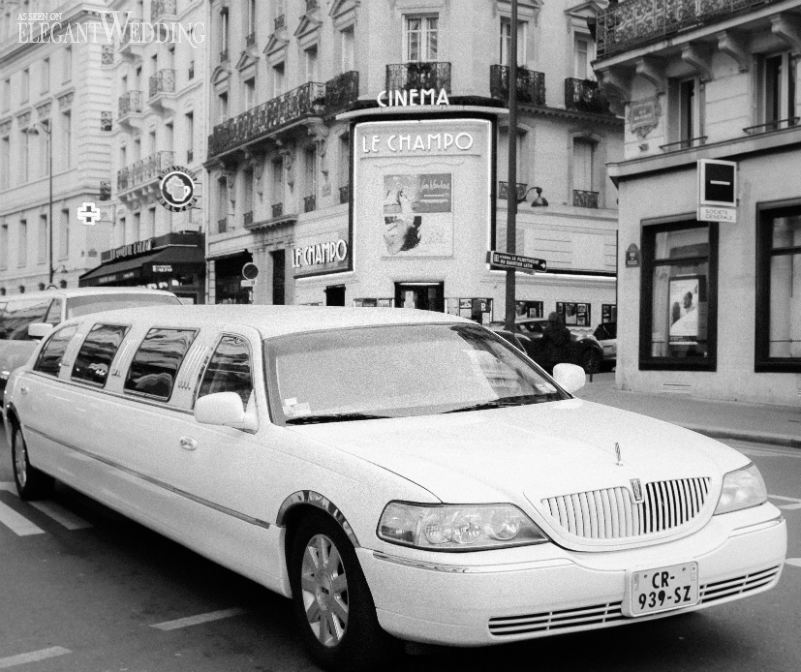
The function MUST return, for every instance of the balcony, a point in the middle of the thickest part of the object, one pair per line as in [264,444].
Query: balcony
[344,193]
[686,143]
[268,118]
[585,199]
[309,203]
[163,10]
[530,85]
[131,37]
[770,126]
[341,92]
[423,75]
[130,103]
[162,86]
[143,172]
[638,22]
[503,190]
[583,95]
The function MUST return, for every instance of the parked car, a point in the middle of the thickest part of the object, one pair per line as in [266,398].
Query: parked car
[585,350]
[24,318]
[606,333]
[394,472]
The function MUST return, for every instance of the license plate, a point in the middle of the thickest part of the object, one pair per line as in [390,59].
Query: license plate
[662,589]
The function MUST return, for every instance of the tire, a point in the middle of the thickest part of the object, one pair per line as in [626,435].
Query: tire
[590,360]
[31,483]
[331,603]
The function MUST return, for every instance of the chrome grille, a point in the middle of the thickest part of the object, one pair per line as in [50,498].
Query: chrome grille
[612,513]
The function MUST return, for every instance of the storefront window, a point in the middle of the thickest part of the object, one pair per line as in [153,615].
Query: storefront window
[575,314]
[778,303]
[678,296]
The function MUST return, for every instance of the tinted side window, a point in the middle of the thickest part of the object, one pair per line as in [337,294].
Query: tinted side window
[157,361]
[18,315]
[51,354]
[229,369]
[53,315]
[97,352]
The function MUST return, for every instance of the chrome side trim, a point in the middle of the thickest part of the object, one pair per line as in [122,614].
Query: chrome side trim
[469,569]
[157,482]
[316,499]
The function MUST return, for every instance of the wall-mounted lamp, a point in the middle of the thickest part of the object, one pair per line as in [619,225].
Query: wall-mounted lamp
[539,200]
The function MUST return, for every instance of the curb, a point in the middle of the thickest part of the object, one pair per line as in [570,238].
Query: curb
[754,437]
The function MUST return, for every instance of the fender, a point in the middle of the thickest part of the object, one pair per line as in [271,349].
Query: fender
[321,502]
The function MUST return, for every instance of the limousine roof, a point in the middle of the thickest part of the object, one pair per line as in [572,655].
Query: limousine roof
[273,320]
[81,291]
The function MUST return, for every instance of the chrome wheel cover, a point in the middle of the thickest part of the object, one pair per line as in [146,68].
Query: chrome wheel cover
[324,590]
[20,460]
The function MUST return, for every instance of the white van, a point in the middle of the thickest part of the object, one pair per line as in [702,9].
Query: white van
[392,471]
[25,318]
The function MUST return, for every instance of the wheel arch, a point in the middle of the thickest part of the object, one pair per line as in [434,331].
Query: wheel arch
[294,506]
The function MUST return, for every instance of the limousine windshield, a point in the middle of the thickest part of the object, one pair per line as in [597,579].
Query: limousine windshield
[379,372]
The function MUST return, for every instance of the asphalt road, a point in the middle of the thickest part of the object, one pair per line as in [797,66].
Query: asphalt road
[83,589]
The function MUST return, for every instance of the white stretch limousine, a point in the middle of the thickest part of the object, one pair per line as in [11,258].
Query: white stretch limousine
[393,471]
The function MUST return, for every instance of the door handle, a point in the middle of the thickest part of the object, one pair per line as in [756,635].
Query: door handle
[188,443]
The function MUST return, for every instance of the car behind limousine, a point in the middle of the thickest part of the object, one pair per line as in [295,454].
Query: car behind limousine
[394,472]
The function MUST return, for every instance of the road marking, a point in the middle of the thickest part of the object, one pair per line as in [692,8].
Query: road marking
[197,620]
[32,657]
[794,506]
[61,515]
[795,562]
[18,524]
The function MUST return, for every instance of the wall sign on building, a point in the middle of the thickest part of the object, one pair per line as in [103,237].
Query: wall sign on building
[177,189]
[717,191]
[321,256]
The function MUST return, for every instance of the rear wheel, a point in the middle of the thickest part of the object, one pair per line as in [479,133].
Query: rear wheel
[31,483]
[331,601]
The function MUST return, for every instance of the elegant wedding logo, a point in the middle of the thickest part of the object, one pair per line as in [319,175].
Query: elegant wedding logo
[106,27]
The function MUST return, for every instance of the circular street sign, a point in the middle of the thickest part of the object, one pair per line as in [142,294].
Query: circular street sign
[250,271]
[177,189]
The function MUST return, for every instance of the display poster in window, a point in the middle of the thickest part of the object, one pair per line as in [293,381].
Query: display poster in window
[418,219]
[687,306]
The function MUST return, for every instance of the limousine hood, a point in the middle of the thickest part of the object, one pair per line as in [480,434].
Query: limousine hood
[527,452]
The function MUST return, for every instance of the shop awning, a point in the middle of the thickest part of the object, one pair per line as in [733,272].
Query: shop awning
[158,264]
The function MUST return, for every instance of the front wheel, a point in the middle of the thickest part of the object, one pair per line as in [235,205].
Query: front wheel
[31,483]
[331,601]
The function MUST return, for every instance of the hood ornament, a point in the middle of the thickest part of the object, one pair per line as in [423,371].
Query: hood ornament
[618,454]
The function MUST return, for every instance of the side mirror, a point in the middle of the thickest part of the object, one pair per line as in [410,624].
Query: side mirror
[569,376]
[39,330]
[226,409]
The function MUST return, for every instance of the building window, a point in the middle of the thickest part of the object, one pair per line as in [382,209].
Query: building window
[347,61]
[22,244]
[5,161]
[583,55]
[151,223]
[686,120]
[420,38]
[222,106]
[277,194]
[64,235]
[41,247]
[778,290]
[6,95]
[25,142]
[278,79]
[678,319]
[311,64]
[778,90]
[45,75]
[4,247]
[250,93]
[66,139]
[66,65]
[506,39]
[575,314]
[584,193]
[310,179]
[251,17]
[25,86]
[189,127]
[223,34]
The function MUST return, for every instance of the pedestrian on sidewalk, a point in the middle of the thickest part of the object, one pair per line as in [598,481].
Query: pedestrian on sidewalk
[555,342]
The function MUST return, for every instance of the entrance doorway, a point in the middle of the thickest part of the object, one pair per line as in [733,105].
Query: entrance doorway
[335,295]
[421,295]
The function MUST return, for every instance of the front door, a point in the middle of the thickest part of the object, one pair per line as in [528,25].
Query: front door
[421,295]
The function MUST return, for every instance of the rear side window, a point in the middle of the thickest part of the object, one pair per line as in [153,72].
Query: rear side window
[157,361]
[17,315]
[97,352]
[229,369]
[51,354]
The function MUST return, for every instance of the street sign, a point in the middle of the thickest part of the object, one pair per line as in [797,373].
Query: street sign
[247,283]
[713,213]
[717,191]
[516,262]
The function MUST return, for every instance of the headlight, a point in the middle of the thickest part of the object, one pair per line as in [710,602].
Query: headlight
[457,527]
[742,489]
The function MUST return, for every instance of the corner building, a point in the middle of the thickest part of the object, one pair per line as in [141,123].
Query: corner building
[358,156]
[711,308]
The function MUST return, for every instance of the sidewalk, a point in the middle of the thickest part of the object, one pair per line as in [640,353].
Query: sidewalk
[762,423]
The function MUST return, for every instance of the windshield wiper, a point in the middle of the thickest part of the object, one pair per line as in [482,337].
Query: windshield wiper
[332,417]
[504,402]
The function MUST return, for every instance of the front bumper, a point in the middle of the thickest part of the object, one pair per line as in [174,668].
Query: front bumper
[536,591]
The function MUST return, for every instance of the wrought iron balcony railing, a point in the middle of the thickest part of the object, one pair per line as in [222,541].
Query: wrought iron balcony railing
[107,54]
[130,103]
[530,85]
[503,190]
[260,121]
[344,193]
[277,209]
[309,203]
[144,171]
[583,95]
[637,22]
[341,92]
[775,125]
[162,82]
[585,199]
[686,143]
[419,75]
[163,9]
